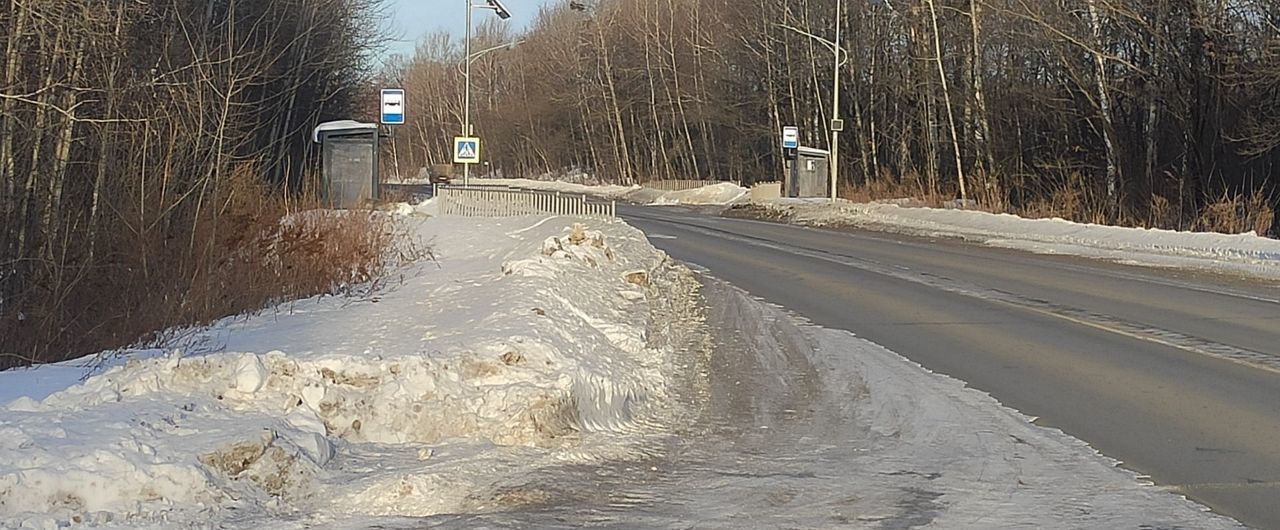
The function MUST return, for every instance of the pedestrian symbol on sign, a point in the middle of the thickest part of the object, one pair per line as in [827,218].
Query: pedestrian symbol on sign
[466,150]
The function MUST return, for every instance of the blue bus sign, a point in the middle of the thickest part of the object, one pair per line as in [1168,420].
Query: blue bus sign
[392,106]
[790,137]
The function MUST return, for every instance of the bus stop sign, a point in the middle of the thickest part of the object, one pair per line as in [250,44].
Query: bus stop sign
[392,106]
[790,137]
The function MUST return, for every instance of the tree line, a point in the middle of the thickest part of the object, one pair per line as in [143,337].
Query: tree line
[1157,113]
[141,146]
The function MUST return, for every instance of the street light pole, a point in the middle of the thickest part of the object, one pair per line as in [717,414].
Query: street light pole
[466,113]
[836,50]
[502,13]
[835,109]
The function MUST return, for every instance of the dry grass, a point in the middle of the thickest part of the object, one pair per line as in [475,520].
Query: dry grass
[250,249]
[1236,214]
[1074,199]
[912,188]
[1068,202]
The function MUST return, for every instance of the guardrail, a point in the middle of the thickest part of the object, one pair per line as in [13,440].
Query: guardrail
[498,202]
[680,184]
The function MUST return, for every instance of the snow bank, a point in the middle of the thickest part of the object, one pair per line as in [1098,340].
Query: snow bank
[526,336]
[722,193]
[1242,253]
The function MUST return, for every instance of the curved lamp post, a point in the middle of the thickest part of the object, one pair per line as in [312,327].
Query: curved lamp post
[836,124]
[498,9]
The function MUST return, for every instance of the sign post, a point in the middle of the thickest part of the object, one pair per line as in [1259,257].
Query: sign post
[790,143]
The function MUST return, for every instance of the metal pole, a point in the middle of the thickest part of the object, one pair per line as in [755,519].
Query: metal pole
[466,111]
[835,109]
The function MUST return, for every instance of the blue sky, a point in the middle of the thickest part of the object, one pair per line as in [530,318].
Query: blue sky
[408,20]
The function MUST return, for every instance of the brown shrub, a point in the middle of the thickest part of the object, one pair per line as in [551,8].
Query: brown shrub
[887,188]
[244,249]
[1078,199]
[1236,214]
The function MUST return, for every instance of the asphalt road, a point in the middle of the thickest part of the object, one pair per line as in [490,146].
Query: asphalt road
[1176,374]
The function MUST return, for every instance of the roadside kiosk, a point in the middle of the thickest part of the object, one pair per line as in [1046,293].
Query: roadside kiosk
[349,162]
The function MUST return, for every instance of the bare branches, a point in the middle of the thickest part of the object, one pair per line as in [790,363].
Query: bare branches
[122,127]
[1127,98]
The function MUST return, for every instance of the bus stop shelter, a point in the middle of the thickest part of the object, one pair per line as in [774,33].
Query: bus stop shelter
[810,174]
[349,162]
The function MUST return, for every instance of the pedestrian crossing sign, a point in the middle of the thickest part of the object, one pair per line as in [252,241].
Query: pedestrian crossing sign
[466,150]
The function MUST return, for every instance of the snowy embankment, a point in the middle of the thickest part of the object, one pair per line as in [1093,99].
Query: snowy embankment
[1241,253]
[523,339]
[716,194]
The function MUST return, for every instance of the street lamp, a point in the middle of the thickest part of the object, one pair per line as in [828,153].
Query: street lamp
[498,9]
[837,124]
[481,53]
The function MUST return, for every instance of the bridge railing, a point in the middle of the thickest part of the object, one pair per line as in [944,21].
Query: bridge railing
[506,202]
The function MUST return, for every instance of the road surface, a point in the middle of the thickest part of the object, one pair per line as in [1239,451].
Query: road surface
[1176,374]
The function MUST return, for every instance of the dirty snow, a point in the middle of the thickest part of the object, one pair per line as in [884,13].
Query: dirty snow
[1239,253]
[527,336]
[543,372]
[722,193]
[805,427]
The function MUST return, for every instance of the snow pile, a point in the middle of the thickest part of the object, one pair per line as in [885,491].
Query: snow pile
[722,193]
[526,337]
[1242,253]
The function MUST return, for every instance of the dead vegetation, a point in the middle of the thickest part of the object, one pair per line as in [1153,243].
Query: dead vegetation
[1073,199]
[152,162]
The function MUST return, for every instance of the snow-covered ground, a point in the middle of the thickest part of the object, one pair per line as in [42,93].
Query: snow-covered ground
[717,194]
[508,353]
[1247,254]
[1240,253]
[805,427]
[538,374]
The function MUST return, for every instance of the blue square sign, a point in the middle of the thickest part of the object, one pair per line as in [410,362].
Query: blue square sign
[392,106]
[466,150]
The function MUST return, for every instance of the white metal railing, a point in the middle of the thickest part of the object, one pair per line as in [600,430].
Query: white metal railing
[498,202]
[680,184]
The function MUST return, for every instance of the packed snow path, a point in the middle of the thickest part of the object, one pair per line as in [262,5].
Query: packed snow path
[803,427]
